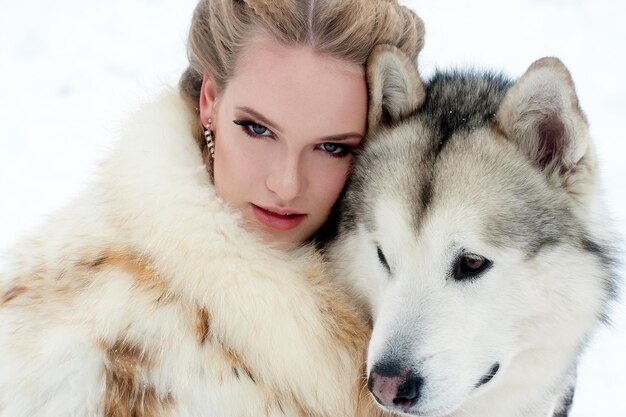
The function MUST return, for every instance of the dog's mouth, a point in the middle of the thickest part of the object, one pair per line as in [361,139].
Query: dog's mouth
[489,375]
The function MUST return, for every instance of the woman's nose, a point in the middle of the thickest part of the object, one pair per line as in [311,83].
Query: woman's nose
[286,178]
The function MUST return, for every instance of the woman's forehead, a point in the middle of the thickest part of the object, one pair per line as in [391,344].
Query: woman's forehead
[295,85]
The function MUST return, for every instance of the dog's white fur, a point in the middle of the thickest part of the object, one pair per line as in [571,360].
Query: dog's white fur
[146,297]
[533,311]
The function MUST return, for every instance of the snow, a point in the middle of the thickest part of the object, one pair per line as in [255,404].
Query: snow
[70,70]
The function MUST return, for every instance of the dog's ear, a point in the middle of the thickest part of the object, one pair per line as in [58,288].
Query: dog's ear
[541,114]
[395,87]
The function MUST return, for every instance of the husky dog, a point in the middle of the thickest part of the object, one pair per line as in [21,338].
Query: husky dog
[473,230]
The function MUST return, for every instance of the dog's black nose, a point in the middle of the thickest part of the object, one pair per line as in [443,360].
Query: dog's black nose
[394,386]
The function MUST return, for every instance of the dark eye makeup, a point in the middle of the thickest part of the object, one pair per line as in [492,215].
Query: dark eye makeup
[257,130]
[254,129]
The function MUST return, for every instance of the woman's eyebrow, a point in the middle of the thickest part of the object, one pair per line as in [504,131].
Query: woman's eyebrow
[343,137]
[275,127]
[260,118]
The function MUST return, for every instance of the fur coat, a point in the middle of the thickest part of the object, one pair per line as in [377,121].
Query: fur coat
[146,297]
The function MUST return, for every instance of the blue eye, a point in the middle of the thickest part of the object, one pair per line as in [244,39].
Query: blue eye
[253,129]
[258,129]
[333,148]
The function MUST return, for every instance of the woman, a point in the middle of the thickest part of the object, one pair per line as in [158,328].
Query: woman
[178,285]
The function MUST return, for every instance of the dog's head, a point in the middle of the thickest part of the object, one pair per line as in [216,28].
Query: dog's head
[467,227]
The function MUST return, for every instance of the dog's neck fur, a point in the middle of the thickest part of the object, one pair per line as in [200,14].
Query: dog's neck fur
[536,386]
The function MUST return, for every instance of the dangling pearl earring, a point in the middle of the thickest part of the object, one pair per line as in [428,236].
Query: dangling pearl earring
[208,136]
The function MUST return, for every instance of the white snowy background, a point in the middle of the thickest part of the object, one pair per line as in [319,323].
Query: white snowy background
[70,70]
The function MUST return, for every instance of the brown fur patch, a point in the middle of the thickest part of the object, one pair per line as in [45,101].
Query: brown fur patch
[12,293]
[274,403]
[349,326]
[97,262]
[146,276]
[202,325]
[126,394]
[346,321]
[272,400]
[237,363]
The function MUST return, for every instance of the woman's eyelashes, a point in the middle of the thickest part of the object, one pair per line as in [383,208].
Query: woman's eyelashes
[256,130]
[335,150]
[253,129]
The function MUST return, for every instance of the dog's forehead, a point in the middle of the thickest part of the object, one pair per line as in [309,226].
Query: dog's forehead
[390,167]
[485,176]
[477,175]
[450,154]
[400,156]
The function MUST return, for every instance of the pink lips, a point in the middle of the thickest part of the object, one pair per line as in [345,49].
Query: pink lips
[279,219]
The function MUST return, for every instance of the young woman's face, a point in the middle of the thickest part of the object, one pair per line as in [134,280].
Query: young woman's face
[285,126]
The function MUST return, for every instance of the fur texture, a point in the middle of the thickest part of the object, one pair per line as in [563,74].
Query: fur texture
[473,228]
[146,297]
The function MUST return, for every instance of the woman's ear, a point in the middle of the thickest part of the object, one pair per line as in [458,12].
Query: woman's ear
[208,95]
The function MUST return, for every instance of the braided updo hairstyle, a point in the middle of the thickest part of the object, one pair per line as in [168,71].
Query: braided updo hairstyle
[344,29]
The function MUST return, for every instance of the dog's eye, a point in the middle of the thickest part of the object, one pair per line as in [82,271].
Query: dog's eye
[469,265]
[382,259]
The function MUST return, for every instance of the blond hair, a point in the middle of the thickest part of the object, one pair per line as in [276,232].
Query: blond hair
[344,29]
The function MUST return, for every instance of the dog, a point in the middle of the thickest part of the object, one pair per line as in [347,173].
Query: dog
[473,230]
